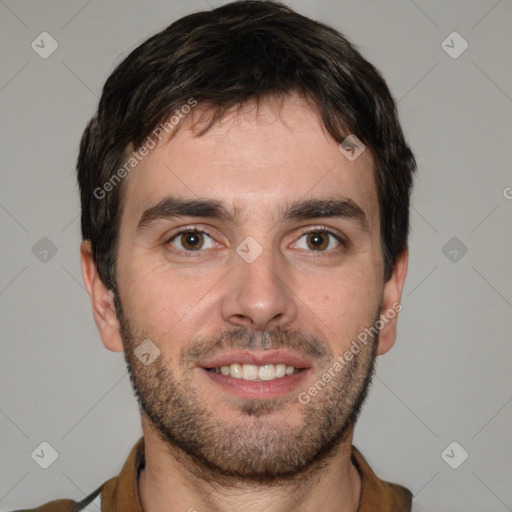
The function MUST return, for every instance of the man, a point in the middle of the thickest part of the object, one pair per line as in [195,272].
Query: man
[245,193]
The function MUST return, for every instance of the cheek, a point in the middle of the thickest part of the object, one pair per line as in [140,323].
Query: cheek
[345,305]
[161,302]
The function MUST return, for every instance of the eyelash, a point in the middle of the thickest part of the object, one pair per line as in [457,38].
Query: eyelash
[344,243]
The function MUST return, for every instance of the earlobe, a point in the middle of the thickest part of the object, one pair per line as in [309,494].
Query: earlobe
[391,303]
[102,301]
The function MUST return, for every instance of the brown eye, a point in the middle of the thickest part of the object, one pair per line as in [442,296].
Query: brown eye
[317,241]
[191,240]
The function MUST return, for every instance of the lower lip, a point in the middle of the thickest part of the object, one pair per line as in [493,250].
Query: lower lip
[258,389]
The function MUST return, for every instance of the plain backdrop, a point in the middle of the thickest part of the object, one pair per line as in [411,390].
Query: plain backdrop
[448,378]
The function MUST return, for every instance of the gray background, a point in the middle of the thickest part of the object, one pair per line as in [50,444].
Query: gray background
[448,377]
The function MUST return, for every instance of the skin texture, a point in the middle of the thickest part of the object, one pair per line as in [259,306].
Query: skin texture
[205,447]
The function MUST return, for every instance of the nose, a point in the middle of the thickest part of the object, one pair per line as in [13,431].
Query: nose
[259,295]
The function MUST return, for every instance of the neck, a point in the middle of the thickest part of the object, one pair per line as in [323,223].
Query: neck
[169,482]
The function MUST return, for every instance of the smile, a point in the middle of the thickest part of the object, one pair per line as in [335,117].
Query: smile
[254,372]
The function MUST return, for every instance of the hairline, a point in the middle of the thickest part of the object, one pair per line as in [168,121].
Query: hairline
[211,121]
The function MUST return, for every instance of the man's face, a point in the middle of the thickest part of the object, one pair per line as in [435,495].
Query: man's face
[271,283]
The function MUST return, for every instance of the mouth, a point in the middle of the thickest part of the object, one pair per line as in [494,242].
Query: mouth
[254,372]
[263,374]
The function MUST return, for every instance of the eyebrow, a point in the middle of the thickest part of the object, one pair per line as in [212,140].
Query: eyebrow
[175,207]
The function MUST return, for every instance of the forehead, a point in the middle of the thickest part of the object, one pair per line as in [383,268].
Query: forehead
[257,158]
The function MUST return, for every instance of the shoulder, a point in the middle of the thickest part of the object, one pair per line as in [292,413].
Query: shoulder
[54,506]
[65,505]
[377,494]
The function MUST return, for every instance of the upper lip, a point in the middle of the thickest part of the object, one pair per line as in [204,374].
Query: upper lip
[259,358]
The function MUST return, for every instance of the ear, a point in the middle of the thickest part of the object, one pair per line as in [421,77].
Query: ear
[391,304]
[102,301]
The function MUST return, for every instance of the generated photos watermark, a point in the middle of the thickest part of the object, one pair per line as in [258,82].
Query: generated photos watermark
[149,144]
[355,347]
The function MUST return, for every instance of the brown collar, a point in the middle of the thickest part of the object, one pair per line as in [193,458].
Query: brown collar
[121,494]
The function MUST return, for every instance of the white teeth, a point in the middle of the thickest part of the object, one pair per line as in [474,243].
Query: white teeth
[280,370]
[254,372]
[249,372]
[267,372]
[235,370]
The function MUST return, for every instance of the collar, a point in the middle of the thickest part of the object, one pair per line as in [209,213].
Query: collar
[121,494]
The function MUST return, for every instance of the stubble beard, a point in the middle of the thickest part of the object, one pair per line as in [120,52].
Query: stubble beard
[256,448]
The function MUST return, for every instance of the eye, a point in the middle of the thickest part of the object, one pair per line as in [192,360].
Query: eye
[319,240]
[191,239]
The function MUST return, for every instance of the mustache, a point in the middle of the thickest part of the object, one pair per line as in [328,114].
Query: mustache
[243,338]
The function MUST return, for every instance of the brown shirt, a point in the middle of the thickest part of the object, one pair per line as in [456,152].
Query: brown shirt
[121,494]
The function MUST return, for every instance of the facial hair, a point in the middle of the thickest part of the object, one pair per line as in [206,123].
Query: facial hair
[256,448]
